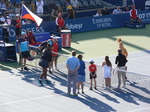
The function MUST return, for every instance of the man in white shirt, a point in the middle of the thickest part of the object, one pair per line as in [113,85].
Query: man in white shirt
[117,11]
[39,5]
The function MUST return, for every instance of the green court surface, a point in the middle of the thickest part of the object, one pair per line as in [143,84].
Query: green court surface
[100,43]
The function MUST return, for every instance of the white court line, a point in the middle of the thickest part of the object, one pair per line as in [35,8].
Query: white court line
[30,99]
[139,58]
[139,109]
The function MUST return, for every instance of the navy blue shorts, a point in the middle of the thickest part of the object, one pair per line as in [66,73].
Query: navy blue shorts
[25,54]
[91,75]
[44,63]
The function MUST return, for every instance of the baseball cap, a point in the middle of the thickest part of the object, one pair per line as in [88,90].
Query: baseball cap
[133,6]
[17,14]
[91,60]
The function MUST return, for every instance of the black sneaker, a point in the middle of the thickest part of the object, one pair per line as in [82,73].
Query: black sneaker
[25,68]
[90,88]
[50,72]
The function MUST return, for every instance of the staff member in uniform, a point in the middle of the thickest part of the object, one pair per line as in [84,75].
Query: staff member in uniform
[60,23]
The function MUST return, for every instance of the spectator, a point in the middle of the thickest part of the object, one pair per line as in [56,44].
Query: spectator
[51,3]
[121,62]
[105,12]
[126,10]
[26,21]
[117,11]
[15,1]
[134,15]
[60,23]
[81,74]
[92,70]
[17,9]
[71,13]
[32,5]
[99,13]
[2,4]
[75,5]
[23,49]
[44,62]
[55,11]
[72,65]
[39,5]
[10,10]
[18,26]
[107,66]
[5,32]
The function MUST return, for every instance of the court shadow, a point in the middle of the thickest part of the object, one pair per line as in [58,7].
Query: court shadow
[93,103]
[107,96]
[68,50]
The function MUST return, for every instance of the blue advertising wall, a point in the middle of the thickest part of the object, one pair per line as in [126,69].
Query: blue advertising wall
[85,24]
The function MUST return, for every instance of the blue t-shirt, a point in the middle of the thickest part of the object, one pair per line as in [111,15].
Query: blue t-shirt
[81,68]
[73,63]
[23,44]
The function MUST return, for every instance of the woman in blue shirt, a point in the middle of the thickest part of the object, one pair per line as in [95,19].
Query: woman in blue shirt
[81,73]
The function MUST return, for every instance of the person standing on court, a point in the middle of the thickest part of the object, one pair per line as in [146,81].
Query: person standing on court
[107,67]
[92,70]
[121,64]
[81,74]
[54,55]
[23,48]
[72,65]
[121,46]
[44,62]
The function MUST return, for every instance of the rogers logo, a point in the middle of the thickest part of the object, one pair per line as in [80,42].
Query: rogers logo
[75,26]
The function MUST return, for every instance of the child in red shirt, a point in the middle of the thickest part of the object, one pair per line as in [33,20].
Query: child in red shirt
[92,69]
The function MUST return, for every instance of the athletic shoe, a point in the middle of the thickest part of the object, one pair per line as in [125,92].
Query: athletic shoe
[50,72]
[46,82]
[25,68]
[57,69]
[78,92]
[68,94]
[95,88]
[82,92]
[40,82]
[90,88]
[75,94]
[125,77]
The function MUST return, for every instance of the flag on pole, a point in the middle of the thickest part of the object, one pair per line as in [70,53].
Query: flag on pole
[27,14]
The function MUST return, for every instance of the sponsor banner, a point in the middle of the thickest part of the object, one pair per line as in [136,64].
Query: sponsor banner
[85,24]
[97,23]
[145,16]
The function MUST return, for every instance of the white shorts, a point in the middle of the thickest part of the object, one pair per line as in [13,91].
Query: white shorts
[107,75]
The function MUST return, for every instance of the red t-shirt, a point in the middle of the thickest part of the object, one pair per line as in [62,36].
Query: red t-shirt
[55,49]
[92,68]
[60,21]
[19,25]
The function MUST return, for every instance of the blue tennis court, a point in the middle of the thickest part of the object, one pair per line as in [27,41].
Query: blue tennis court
[20,91]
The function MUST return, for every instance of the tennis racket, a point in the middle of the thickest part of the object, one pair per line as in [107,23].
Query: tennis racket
[33,53]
